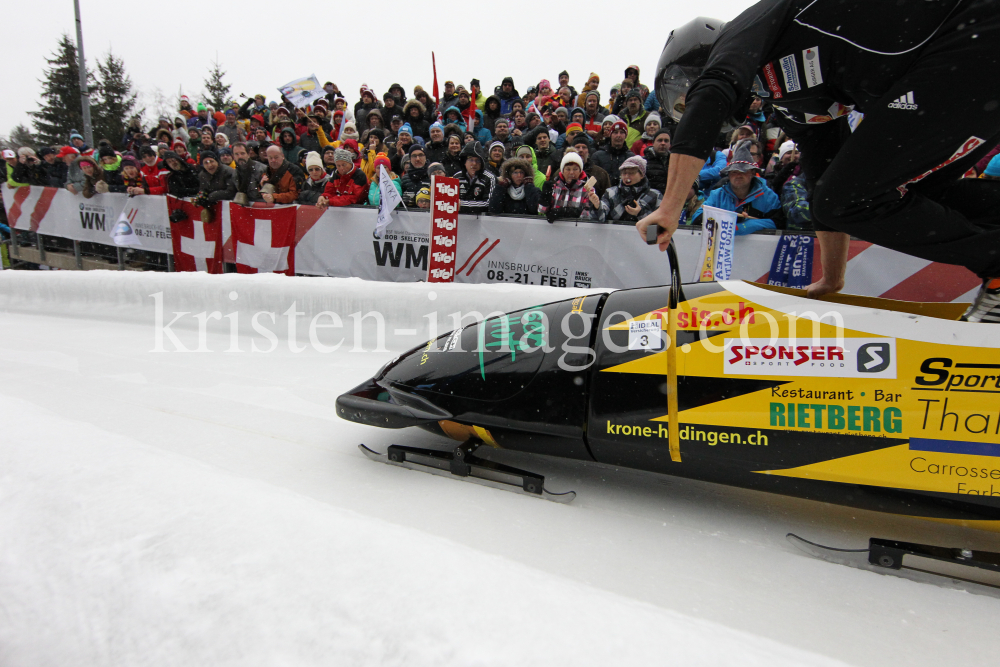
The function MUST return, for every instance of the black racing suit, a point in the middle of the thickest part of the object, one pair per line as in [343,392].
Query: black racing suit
[926,75]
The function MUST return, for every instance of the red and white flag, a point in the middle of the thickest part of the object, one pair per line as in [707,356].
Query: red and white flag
[197,246]
[264,239]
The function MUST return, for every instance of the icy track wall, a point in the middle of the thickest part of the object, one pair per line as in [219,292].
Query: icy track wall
[401,315]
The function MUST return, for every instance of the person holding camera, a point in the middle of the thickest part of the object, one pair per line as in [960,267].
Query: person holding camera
[29,169]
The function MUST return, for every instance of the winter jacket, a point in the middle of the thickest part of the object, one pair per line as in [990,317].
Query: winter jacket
[760,203]
[420,127]
[412,182]
[93,184]
[603,183]
[220,186]
[361,112]
[453,163]
[347,190]
[489,117]
[232,132]
[248,179]
[312,190]
[460,122]
[503,200]
[617,197]
[539,175]
[375,194]
[656,169]
[710,172]
[475,191]
[30,174]
[182,182]
[506,99]
[287,181]
[610,158]
[76,177]
[436,151]
[483,135]
[565,200]
[291,150]
[636,126]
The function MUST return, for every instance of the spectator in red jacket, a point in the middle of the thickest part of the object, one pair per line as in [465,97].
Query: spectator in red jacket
[348,186]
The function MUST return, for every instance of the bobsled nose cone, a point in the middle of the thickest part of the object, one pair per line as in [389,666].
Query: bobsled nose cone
[374,405]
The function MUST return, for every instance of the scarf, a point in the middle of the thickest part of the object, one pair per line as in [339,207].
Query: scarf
[517,194]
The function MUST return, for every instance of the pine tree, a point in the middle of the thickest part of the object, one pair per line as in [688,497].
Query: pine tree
[21,136]
[60,110]
[216,90]
[115,100]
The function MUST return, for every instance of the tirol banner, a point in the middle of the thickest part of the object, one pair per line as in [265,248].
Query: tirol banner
[489,249]
[443,230]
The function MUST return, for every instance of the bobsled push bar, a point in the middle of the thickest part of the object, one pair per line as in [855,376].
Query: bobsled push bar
[462,462]
[676,296]
[961,569]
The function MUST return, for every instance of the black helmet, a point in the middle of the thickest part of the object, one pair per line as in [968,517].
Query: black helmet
[683,60]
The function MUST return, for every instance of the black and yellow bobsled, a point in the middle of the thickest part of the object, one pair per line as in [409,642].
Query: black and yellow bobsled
[883,405]
[876,404]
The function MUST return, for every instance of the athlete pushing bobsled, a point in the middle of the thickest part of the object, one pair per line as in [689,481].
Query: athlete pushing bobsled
[926,75]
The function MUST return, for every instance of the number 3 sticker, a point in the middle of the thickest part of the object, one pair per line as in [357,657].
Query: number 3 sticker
[645,335]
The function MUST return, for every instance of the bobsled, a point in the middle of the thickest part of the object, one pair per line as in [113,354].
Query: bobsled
[864,402]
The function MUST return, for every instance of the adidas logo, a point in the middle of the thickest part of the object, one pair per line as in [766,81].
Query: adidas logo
[904,102]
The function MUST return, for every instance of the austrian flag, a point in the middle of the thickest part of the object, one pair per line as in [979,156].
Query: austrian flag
[264,239]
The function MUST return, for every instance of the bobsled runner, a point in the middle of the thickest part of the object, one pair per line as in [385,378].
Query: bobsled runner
[864,402]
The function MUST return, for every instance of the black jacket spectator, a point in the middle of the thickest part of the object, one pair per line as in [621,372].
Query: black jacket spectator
[220,186]
[610,158]
[413,113]
[508,199]
[182,181]
[412,182]
[475,191]
[656,169]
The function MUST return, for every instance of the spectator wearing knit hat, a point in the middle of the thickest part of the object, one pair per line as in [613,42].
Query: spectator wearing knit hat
[640,145]
[756,205]
[374,193]
[316,180]
[398,150]
[632,199]
[416,177]
[615,153]
[348,186]
[566,194]
[436,148]
[634,116]
[583,148]
[495,155]
[423,198]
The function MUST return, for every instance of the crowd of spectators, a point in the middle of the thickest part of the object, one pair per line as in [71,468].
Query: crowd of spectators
[552,152]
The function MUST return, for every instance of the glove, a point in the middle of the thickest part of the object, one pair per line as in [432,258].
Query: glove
[178,215]
[101,187]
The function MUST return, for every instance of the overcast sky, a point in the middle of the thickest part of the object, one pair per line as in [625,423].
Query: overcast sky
[262,45]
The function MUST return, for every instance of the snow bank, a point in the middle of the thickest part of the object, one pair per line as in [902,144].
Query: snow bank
[116,553]
[410,311]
